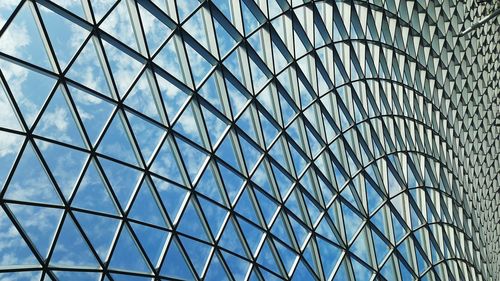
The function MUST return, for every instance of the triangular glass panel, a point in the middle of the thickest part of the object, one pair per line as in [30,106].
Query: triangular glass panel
[193,158]
[93,111]
[12,242]
[208,186]
[217,126]
[245,207]
[23,38]
[92,194]
[352,222]
[200,67]
[141,97]
[71,249]
[253,234]
[147,135]
[230,239]
[122,179]
[88,69]
[330,255]
[100,8]
[39,223]
[172,196]
[232,182]
[100,231]
[195,25]
[57,122]
[188,126]
[226,41]
[65,164]
[302,272]
[191,223]
[116,142]
[8,117]
[145,207]
[123,67]
[197,252]
[119,25]
[65,36]
[216,271]
[238,267]
[127,255]
[30,181]
[166,164]
[214,214]
[237,98]
[266,258]
[173,97]
[174,264]
[151,239]
[155,30]
[9,147]
[287,256]
[361,271]
[226,151]
[169,58]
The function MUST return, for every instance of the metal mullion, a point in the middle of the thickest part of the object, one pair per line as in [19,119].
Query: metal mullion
[200,122]
[213,165]
[289,229]
[44,36]
[17,112]
[317,258]
[179,160]
[19,269]
[182,56]
[283,142]
[17,159]
[105,67]
[199,210]
[135,19]
[131,137]
[67,14]
[277,258]
[158,13]
[28,65]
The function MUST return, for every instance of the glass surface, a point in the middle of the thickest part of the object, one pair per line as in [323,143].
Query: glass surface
[248,140]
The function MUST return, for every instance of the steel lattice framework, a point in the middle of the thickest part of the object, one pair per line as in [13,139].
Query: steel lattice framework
[249,139]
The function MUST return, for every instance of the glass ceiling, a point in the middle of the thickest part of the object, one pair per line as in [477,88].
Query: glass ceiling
[248,140]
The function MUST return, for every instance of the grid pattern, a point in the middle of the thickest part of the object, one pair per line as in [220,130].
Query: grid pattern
[242,139]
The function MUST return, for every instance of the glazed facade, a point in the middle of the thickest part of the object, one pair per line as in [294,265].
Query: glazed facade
[249,140]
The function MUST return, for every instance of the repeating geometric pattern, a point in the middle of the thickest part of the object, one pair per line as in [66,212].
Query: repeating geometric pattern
[249,140]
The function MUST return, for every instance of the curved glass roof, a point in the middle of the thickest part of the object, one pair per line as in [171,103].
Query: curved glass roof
[248,140]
